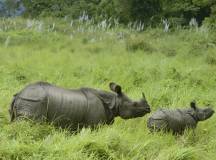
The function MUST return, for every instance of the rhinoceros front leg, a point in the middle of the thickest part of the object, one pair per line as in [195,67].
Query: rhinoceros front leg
[96,113]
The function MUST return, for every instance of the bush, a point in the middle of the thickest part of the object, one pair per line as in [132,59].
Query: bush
[134,44]
[36,8]
[149,11]
[125,10]
[211,21]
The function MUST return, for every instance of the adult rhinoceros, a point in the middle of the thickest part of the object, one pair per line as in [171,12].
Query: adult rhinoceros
[75,107]
[177,120]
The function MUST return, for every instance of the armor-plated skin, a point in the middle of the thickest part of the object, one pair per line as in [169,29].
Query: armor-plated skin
[177,120]
[72,108]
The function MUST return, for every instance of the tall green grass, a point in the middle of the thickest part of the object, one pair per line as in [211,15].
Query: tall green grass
[171,68]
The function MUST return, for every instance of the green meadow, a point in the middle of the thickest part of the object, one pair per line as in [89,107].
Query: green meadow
[172,69]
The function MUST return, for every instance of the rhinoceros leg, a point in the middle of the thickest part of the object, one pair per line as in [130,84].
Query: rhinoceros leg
[12,110]
[95,113]
[157,125]
[30,103]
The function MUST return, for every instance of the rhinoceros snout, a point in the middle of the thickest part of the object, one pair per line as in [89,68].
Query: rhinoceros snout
[212,112]
[148,109]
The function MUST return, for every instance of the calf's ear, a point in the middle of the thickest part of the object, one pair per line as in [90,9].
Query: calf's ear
[193,105]
[143,95]
[115,88]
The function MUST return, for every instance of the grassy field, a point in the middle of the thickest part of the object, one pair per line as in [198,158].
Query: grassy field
[171,68]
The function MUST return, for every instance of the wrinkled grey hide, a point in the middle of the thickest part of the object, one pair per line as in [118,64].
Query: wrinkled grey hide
[177,120]
[74,108]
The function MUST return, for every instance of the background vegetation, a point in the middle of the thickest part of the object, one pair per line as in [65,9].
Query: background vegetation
[172,69]
[149,12]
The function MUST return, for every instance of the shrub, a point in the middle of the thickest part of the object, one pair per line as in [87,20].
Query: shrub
[211,21]
[134,44]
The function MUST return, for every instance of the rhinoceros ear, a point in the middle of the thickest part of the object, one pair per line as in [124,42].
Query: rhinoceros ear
[193,105]
[143,95]
[115,88]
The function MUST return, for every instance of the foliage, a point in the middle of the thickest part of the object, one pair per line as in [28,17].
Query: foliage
[125,10]
[149,12]
[187,9]
[211,21]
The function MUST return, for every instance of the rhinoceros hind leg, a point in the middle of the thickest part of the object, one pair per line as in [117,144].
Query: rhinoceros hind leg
[156,125]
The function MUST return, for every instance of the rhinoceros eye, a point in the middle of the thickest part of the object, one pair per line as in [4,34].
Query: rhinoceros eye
[135,104]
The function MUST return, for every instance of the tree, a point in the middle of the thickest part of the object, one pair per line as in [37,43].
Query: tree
[145,10]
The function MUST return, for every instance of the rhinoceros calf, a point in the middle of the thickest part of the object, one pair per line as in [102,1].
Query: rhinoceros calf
[71,108]
[177,120]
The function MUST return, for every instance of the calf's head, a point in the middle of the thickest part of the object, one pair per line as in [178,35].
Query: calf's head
[128,108]
[201,114]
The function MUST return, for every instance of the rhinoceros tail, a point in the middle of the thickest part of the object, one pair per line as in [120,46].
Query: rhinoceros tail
[12,109]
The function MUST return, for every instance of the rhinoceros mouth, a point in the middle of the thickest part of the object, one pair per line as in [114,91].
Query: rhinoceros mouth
[147,110]
[211,113]
[142,113]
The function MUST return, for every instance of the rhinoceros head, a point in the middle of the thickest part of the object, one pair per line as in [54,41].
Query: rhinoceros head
[128,108]
[201,114]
